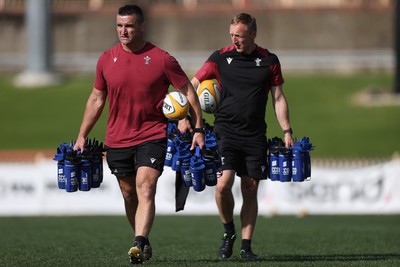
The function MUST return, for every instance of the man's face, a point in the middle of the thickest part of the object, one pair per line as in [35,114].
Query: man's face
[241,38]
[129,30]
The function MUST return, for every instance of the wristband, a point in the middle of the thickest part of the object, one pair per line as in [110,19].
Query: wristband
[200,130]
[288,131]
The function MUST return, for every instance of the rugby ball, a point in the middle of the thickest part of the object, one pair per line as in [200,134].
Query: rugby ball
[209,95]
[175,105]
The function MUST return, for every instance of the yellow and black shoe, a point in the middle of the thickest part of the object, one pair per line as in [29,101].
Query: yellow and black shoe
[136,254]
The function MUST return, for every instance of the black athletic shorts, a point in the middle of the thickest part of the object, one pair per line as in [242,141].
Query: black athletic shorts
[125,161]
[247,157]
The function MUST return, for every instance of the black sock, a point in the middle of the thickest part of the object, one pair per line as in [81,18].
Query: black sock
[246,245]
[142,241]
[229,228]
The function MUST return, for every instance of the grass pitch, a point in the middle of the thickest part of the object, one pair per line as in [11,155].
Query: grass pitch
[194,240]
[321,107]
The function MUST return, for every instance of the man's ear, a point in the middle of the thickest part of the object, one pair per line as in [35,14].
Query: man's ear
[143,27]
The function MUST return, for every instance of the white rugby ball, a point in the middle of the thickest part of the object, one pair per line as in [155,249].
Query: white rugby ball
[175,106]
[209,95]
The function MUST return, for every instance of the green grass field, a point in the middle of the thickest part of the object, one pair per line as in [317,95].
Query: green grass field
[320,107]
[193,241]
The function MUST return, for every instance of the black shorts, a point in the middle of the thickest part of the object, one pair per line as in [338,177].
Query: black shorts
[125,161]
[247,157]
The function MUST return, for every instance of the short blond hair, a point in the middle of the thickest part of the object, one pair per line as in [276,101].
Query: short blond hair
[246,19]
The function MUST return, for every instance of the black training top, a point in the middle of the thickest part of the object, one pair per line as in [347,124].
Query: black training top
[245,81]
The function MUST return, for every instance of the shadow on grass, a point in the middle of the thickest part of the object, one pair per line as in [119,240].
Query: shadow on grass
[299,258]
[334,257]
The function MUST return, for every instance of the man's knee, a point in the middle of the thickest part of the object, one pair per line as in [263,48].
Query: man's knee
[128,188]
[223,188]
[249,188]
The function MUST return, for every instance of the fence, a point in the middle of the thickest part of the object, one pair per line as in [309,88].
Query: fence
[30,188]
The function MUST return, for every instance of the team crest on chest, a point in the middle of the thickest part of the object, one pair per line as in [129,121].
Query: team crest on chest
[258,61]
[147,60]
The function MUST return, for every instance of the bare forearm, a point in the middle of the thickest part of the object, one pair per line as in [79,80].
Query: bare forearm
[282,113]
[93,110]
[90,118]
[195,112]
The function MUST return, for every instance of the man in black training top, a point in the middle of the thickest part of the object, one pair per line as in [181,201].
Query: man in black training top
[246,73]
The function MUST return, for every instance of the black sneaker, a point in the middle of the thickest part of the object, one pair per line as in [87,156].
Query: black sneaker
[136,255]
[147,252]
[225,250]
[248,255]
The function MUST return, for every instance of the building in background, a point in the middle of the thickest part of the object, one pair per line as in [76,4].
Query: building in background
[310,35]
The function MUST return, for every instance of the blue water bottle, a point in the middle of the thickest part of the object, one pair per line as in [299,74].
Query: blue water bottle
[171,149]
[72,171]
[285,165]
[97,169]
[176,162]
[306,148]
[85,179]
[298,169]
[170,153]
[176,158]
[307,165]
[197,171]
[210,170]
[211,143]
[61,174]
[59,157]
[184,160]
[100,150]
[179,146]
[274,163]
[307,162]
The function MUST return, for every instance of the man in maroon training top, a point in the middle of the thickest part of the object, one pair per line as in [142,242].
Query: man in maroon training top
[135,76]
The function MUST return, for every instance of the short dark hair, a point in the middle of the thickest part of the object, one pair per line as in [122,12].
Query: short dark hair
[132,10]
[246,19]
